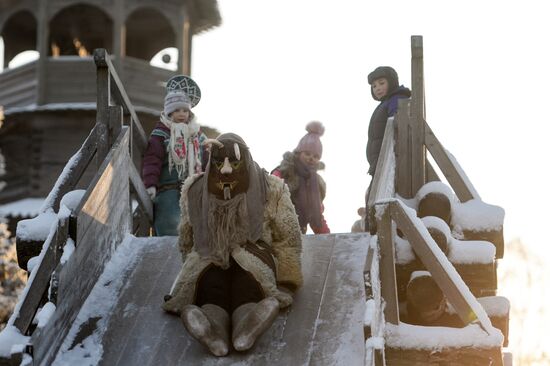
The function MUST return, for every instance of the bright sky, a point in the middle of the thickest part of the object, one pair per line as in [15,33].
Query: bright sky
[265,74]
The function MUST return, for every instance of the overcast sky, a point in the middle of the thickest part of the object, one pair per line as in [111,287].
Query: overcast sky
[273,66]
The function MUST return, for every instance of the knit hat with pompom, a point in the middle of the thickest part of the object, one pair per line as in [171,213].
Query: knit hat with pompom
[311,141]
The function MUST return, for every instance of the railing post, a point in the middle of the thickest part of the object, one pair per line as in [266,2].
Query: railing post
[387,264]
[403,185]
[103,99]
[418,150]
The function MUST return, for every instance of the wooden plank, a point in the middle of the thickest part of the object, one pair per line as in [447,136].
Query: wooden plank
[161,339]
[102,114]
[103,218]
[418,151]
[139,332]
[387,265]
[451,284]
[383,185]
[141,194]
[403,185]
[344,281]
[460,183]
[469,356]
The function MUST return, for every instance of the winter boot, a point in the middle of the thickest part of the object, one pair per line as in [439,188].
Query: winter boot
[250,320]
[209,325]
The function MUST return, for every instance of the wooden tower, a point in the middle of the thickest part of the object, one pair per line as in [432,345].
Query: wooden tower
[49,104]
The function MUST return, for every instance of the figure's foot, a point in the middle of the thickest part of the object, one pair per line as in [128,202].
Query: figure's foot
[209,325]
[251,320]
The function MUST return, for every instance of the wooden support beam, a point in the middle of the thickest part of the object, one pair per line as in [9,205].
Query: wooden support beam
[387,264]
[76,167]
[418,151]
[403,185]
[102,112]
[383,184]
[460,183]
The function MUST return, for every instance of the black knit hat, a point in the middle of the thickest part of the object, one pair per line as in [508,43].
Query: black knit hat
[388,73]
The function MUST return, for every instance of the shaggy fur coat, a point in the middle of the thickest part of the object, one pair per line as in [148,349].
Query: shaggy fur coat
[281,232]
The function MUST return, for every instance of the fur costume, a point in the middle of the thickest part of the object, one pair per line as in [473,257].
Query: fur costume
[280,231]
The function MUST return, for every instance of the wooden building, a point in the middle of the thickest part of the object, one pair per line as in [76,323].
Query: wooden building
[50,104]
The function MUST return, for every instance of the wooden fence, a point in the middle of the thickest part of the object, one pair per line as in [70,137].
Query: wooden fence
[99,222]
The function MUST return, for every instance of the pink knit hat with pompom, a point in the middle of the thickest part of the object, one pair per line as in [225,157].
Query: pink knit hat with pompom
[311,141]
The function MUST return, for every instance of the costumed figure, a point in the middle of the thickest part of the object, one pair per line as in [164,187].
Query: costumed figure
[173,153]
[241,244]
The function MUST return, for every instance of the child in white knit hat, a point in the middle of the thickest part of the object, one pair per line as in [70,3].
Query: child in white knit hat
[307,188]
[174,152]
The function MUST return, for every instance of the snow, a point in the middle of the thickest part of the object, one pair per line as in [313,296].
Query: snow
[450,270]
[370,311]
[404,252]
[436,187]
[493,305]
[68,250]
[11,338]
[44,314]
[475,215]
[99,304]
[471,252]
[37,228]
[32,262]
[460,251]
[416,274]
[406,336]
[72,199]
[27,207]
[439,224]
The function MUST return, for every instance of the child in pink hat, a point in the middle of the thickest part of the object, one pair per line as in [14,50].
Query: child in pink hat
[307,188]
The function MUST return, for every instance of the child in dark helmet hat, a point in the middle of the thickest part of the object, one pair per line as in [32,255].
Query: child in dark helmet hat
[385,88]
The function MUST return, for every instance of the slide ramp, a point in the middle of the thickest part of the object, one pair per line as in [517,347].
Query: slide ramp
[324,326]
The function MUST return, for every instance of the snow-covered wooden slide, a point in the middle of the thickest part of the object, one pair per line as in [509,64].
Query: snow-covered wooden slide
[122,323]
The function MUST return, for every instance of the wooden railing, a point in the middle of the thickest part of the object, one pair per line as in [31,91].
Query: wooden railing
[401,170]
[98,223]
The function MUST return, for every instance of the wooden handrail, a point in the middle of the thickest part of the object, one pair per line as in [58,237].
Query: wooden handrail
[459,181]
[100,141]
[71,174]
[383,181]
[99,227]
[103,61]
